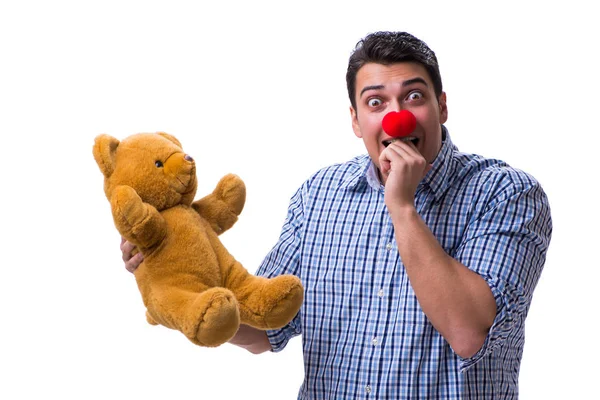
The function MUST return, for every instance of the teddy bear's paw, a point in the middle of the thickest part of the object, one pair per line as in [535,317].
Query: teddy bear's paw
[128,208]
[284,295]
[232,191]
[218,315]
[150,320]
[126,197]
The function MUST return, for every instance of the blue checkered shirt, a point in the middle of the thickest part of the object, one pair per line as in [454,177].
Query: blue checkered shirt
[364,334]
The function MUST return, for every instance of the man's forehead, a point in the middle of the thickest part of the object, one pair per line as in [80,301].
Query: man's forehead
[380,74]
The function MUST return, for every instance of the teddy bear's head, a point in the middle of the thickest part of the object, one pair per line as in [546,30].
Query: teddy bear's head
[153,164]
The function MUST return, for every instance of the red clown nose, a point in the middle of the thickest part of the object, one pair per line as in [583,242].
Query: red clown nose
[399,124]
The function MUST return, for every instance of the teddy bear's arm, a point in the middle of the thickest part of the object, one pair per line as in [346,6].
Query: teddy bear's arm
[222,207]
[138,222]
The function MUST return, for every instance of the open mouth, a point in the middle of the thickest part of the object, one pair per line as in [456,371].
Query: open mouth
[414,140]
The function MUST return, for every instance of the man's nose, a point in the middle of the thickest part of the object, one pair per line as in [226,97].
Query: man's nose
[395,105]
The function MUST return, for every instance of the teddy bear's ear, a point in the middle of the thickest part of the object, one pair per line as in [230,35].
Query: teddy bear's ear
[170,137]
[105,147]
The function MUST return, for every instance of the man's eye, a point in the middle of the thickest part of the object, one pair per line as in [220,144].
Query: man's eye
[374,102]
[415,96]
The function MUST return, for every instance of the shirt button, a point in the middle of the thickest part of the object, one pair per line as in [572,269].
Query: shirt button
[375,341]
[368,389]
[389,246]
[380,293]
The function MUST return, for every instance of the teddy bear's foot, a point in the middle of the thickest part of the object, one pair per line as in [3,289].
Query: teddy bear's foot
[150,320]
[278,303]
[287,303]
[218,316]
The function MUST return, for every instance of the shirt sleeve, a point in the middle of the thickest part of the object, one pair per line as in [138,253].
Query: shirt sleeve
[507,246]
[284,258]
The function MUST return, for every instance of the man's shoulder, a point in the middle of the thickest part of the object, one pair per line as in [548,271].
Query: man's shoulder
[336,175]
[491,169]
[491,176]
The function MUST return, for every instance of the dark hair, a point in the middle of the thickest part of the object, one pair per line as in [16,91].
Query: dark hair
[389,48]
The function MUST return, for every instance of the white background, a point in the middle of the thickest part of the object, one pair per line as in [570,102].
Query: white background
[258,89]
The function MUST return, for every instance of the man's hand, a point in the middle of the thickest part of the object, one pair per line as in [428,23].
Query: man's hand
[131,261]
[251,339]
[402,167]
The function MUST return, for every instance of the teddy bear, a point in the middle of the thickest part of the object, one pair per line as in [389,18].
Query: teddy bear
[188,280]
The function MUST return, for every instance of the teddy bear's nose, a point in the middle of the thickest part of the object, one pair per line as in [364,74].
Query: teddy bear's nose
[188,158]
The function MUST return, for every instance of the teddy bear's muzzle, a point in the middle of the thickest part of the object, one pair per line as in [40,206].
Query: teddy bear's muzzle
[182,168]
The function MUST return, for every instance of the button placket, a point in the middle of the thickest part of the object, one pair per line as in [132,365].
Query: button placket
[386,264]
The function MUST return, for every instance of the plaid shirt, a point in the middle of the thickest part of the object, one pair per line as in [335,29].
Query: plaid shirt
[364,334]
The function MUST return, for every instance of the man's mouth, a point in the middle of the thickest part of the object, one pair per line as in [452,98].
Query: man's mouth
[414,140]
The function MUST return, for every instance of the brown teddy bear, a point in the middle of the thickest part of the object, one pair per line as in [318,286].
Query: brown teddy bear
[188,279]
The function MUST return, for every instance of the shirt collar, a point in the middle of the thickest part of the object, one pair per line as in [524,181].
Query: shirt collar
[359,175]
[439,177]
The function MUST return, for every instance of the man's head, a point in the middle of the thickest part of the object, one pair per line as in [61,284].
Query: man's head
[393,71]
[390,48]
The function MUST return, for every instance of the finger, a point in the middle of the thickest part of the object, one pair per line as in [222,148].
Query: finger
[408,152]
[126,255]
[130,267]
[127,248]
[394,154]
[385,163]
[134,262]
[403,161]
[406,149]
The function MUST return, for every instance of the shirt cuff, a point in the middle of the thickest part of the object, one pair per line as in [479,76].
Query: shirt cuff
[501,328]
[279,338]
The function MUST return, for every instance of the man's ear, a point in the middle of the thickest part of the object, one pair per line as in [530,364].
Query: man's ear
[443,108]
[355,126]
[170,137]
[105,147]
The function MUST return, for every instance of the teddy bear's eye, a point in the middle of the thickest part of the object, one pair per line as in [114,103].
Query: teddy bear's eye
[158,164]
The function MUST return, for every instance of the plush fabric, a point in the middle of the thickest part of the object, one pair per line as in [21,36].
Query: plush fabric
[188,280]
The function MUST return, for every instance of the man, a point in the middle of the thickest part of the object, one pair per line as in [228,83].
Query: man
[419,262]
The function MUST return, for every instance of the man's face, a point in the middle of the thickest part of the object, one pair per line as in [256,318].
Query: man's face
[402,86]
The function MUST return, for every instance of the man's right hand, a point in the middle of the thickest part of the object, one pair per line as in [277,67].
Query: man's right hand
[131,261]
[251,339]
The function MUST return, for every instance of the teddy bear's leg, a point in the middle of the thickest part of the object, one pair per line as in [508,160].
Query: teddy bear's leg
[222,207]
[150,320]
[209,318]
[265,303]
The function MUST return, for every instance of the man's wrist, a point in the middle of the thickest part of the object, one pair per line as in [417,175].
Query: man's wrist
[254,340]
[402,211]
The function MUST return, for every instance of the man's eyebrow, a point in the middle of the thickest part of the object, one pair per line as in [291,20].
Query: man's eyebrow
[414,80]
[372,87]
[404,84]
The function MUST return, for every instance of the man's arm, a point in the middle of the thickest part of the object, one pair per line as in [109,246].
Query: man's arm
[251,339]
[457,301]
